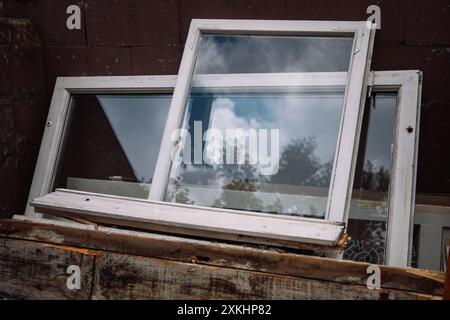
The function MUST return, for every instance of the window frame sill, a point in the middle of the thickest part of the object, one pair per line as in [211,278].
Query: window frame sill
[205,222]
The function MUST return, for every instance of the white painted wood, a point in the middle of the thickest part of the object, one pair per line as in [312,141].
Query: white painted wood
[301,230]
[43,173]
[175,115]
[283,27]
[351,117]
[118,84]
[403,177]
[347,146]
[53,134]
[299,81]
[54,130]
[385,80]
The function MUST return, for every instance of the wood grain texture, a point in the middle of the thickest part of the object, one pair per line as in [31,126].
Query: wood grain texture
[222,255]
[32,270]
[121,276]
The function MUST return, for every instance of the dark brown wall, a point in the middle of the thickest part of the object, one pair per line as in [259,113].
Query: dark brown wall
[23,109]
[146,37]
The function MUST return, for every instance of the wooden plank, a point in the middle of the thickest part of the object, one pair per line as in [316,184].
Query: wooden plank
[221,255]
[121,276]
[189,219]
[37,270]
[32,270]
[432,200]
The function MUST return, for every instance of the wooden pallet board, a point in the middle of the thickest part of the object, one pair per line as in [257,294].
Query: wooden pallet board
[129,263]
[33,270]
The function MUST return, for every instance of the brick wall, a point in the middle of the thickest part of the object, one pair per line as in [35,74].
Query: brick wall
[135,37]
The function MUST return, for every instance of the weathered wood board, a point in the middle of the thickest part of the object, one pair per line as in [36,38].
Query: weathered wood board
[33,270]
[121,276]
[120,264]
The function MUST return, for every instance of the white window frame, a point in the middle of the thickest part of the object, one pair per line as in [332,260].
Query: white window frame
[341,180]
[54,131]
[401,200]
[218,223]
[402,190]
[338,200]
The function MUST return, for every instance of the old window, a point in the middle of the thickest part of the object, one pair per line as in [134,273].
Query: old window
[234,75]
[110,143]
[285,66]
[263,148]
[398,91]
[381,214]
[101,135]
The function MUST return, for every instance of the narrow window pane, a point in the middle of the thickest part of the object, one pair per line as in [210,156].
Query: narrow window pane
[369,207]
[269,54]
[261,149]
[111,143]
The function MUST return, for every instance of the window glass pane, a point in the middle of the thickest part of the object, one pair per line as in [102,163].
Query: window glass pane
[264,54]
[370,199]
[307,142]
[261,149]
[111,143]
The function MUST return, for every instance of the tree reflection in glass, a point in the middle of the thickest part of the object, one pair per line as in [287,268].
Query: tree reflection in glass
[308,125]
[307,122]
[369,208]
